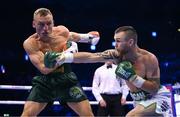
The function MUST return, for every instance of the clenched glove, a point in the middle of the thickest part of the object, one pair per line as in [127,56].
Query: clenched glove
[50,59]
[125,71]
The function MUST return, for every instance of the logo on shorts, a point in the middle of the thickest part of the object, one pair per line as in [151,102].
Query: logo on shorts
[75,92]
[164,106]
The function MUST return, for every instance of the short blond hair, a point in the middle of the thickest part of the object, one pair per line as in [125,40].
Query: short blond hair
[42,12]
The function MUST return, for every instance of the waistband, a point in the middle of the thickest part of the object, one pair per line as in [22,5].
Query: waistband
[58,73]
[140,95]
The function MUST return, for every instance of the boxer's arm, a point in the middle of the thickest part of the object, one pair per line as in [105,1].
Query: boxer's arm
[37,58]
[87,57]
[152,83]
[90,37]
[52,59]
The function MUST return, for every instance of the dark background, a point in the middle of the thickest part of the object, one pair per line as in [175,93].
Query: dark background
[162,16]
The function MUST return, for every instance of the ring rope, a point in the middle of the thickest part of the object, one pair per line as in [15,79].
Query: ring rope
[55,102]
[29,87]
[15,87]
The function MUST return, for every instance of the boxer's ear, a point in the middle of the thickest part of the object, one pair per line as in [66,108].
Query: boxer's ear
[33,24]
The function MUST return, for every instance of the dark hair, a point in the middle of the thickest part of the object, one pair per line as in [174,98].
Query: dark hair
[130,32]
[42,12]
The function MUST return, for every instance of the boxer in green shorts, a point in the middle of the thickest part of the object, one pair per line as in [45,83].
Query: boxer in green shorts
[57,83]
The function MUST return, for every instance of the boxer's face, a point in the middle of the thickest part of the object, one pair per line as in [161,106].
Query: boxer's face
[122,44]
[43,25]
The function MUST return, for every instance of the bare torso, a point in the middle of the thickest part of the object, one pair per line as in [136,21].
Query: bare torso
[143,67]
[37,46]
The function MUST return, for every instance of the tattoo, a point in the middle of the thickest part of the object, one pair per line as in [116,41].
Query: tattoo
[108,54]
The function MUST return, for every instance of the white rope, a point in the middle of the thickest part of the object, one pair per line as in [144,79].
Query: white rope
[14,87]
[55,102]
[29,87]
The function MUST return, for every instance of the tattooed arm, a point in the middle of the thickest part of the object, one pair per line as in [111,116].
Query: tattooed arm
[86,57]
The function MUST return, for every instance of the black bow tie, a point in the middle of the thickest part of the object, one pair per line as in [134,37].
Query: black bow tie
[109,66]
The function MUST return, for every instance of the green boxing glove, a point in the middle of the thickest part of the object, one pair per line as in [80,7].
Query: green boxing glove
[125,71]
[50,59]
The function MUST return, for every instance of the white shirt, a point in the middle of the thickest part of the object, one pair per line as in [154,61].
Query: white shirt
[105,82]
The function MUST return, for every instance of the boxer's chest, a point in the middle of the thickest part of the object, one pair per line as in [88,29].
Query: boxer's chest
[140,69]
[57,45]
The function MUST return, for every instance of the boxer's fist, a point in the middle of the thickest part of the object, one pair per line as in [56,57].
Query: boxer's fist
[50,59]
[94,37]
[91,37]
[125,71]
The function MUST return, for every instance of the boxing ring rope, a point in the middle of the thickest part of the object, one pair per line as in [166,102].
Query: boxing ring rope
[10,102]
[15,87]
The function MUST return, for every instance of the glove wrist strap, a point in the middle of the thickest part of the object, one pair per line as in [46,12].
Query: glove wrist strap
[65,58]
[68,58]
[138,81]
